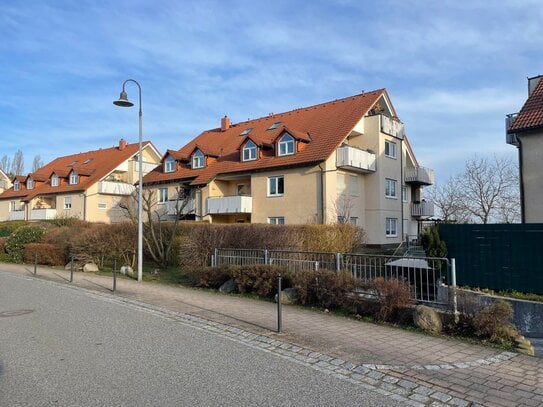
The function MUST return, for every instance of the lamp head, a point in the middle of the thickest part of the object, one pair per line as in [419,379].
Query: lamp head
[123,100]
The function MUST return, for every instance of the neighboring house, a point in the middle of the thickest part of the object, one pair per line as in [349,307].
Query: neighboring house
[5,182]
[525,130]
[347,160]
[87,185]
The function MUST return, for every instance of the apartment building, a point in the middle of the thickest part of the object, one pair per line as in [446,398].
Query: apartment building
[346,160]
[525,131]
[87,185]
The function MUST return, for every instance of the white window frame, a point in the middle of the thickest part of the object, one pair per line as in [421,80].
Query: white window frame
[30,183]
[67,202]
[249,151]
[54,180]
[390,149]
[390,188]
[17,185]
[404,194]
[169,164]
[74,178]
[198,160]
[285,146]
[273,185]
[391,227]
[276,220]
[162,195]
[13,206]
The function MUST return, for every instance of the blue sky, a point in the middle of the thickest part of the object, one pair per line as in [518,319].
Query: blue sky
[453,69]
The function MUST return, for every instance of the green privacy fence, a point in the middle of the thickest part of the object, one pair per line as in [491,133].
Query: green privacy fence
[497,256]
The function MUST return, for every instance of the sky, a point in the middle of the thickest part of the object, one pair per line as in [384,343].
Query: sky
[453,69]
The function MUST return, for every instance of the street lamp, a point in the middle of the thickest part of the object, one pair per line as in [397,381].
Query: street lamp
[124,102]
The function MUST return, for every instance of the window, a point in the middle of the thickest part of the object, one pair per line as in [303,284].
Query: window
[391,224]
[246,131]
[68,202]
[88,160]
[30,183]
[276,186]
[353,185]
[249,151]
[16,185]
[390,188]
[169,164]
[13,206]
[243,190]
[286,145]
[74,178]
[163,195]
[102,203]
[404,194]
[54,180]
[274,126]
[390,149]
[197,160]
[72,164]
[354,220]
[276,220]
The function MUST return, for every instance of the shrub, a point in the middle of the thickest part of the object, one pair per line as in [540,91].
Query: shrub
[21,236]
[394,300]
[494,322]
[7,228]
[258,279]
[48,254]
[432,243]
[207,277]
[2,244]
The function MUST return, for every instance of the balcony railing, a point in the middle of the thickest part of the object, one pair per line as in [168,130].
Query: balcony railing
[147,167]
[355,159]
[422,209]
[229,204]
[115,188]
[181,207]
[393,127]
[419,175]
[43,214]
[16,215]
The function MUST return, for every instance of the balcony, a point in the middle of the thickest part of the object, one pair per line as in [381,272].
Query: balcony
[16,215]
[43,214]
[355,159]
[422,209]
[115,188]
[510,138]
[229,204]
[181,207]
[419,175]
[147,167]
[392,127]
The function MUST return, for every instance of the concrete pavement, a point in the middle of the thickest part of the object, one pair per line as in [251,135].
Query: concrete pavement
[414,368]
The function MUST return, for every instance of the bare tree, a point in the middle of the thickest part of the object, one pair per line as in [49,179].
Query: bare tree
[5,165]
[447,199]
[343,206]
[18,163]
[37,163]
[159,224]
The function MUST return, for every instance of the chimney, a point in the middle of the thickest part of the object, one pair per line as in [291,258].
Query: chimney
[122,144]
[225,123]
[532,83]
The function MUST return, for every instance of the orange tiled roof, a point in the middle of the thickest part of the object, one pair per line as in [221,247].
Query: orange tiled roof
[91,167]
[321,128]
[531,114]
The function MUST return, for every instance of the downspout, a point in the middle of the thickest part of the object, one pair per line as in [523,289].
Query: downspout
[84,206]
[322,194]
[521,179]
[401,187]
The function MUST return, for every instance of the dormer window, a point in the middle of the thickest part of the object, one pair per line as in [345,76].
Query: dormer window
[16,185]
[198,160]
[286,145]
[30,183]
[249,151]
[169,164]
[54,180]
[74,178]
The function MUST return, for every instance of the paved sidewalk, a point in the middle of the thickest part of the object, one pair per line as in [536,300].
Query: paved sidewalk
[413,368]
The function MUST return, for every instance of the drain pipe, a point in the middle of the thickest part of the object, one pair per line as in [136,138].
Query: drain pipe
[521,182]
[322,194]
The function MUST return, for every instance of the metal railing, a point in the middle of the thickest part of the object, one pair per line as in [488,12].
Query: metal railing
[425,275]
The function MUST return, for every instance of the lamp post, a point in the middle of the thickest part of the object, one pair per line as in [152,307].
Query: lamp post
[124,102]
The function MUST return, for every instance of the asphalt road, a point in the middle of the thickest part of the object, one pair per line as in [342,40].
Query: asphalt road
[62,346]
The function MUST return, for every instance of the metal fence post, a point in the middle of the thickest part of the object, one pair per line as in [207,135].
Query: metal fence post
[114,275]
[338,262]
[35,263]
[279,305]
[216,257]
[265,256]
[453,282]
[71,268]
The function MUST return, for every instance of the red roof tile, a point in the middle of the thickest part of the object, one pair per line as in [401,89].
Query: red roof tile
[531,114]
[323,127]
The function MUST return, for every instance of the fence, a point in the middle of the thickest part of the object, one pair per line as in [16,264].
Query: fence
[423,274]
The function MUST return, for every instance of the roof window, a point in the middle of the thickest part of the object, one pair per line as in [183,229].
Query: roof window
[88,160]
[274,126]
[246,131]
[72,163]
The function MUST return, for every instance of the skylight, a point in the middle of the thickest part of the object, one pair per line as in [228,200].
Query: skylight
[72,164]
[246,131]
[274,126]
[88,160]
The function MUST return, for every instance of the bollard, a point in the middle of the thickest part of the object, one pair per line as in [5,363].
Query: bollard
[35,263]
[279,305]
[72,268]
[114,275]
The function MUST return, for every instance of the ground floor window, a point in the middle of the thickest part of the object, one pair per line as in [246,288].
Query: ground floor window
[276,220]
[391,227]
[67,202]
[163,195]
